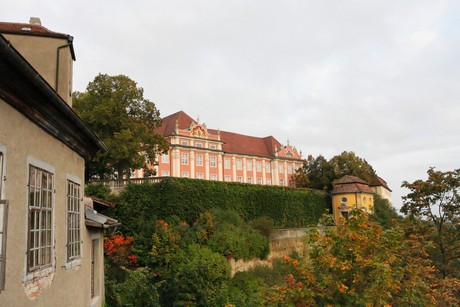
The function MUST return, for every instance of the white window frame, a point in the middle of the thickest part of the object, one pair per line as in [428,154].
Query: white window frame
[227,178]
[249,180]
[249,166]
[258,166]
[239,164]
[185,175]
[259,180]
[184,159]
[239,179]
[73,204]
[281,168]
[37,251]
[199,176]
[282,182]
[199,160]
[289,169]
[165,158]
[213,177]
[199,145]
[268,168]
[226,163]
[184,143]
[213,161]
[268,181]
[212,146]
[165,173]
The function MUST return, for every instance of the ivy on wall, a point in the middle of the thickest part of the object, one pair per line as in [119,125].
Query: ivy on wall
[187,198]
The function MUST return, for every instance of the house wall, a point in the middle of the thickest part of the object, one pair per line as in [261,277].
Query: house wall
[41,53]
[384,193]
[63,284]
[364,200]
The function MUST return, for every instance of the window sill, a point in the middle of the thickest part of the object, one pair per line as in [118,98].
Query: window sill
[74,264]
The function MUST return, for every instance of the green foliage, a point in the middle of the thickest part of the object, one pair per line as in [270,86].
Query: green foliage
[115,109]
[318,173]
[98,190]
[142,204]
[438,200]
[136,290]
[196,277]
[263,224]
[384,213]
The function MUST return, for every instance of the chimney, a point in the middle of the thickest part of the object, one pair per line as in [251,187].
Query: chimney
[35,21]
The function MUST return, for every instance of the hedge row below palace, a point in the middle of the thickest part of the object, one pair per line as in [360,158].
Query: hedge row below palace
[187,198]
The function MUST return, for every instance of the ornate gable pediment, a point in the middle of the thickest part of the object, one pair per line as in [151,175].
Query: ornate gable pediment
[289,152]
[198,130]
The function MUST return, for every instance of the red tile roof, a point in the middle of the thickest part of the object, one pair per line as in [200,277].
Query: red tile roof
[28,29]
[232,142]
[380,182]
[351,184]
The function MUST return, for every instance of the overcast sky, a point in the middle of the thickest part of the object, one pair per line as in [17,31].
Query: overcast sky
[380,78]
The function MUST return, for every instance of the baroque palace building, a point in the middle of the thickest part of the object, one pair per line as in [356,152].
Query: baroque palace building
[201,153]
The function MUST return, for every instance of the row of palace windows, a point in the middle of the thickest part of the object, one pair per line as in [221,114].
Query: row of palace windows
[239,163]
[198,144]
[227,178]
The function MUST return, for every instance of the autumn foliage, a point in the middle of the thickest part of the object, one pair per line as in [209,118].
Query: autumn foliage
[118,250]
[359,264]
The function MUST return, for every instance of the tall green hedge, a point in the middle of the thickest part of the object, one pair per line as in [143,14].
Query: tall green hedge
[186,198]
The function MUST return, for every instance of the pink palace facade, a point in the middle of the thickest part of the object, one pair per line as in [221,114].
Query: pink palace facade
[200,153]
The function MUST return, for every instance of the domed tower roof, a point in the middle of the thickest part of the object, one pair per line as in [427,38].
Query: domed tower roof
[350,184]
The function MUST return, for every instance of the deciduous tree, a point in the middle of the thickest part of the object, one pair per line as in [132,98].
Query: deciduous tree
[438,200]
[114,108]
[318,173]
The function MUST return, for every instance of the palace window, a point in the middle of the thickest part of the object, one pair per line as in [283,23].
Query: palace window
[165,158]
[73,221]
[281,168]
[227,178]
[199,175]
[267,167]
[213,177]
[239,179]
[282,182]
[40,227]
[249,166]
[184,174]
[227,163]
[184,159]
[249,180]
[212,146]
[199,160]
[199,145]
[259,180]
[239,165]
[165,173]
[268,181]
[184,143]
[289,169]
[259,166]
[212,162]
